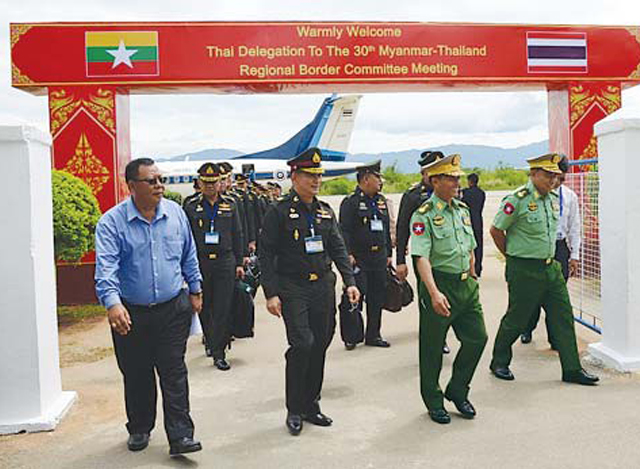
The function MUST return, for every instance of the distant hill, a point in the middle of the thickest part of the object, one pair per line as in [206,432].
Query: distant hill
[474,156]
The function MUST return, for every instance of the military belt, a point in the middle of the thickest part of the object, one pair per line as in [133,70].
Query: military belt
[534,262]
[306,276]
[462,276]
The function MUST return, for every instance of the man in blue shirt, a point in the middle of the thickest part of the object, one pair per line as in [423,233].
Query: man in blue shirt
[144,254]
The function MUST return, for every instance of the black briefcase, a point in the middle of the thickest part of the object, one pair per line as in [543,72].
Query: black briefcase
[399,293]
[351,323]
[243,311]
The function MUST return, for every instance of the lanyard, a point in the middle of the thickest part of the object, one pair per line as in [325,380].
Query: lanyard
[374,209]
[561,201]
[212,213]
[310,222]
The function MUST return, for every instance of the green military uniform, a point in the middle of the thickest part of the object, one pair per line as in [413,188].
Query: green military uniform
[442,233]
[534,278]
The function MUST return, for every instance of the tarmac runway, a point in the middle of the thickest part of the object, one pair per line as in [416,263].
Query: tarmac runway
[372,394]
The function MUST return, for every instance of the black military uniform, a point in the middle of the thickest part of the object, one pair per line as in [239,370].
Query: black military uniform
[226,170]
[474,197]
[195,194]
[298,244]
[411,200]
[219,239]
[366,230]
[248,201]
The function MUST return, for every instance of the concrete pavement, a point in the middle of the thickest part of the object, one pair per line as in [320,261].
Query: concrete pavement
[373,396]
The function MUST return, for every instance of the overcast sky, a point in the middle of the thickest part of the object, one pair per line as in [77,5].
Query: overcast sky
[173,124]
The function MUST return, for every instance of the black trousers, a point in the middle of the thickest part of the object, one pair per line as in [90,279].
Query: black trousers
[156,343]
[372,285]
[218,278]
[478,251]
[308,310]
[562,256]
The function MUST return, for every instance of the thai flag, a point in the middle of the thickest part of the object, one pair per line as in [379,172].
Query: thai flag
[556,52]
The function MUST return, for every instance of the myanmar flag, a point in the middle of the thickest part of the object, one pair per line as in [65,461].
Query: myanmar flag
[122,53]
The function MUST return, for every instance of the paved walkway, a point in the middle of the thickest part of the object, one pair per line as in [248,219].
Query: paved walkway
[373,396]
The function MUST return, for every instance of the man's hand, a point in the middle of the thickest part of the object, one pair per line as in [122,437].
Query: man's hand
[245,261]
[252,246]
[389,261]
[573,267]
[119,319]
[196,302]
[353,294]
[402,271]
[274,306]
[240,272]
[440,304]
[352,260]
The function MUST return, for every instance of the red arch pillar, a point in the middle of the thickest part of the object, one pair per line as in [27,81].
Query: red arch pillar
[91,140]
[573,111]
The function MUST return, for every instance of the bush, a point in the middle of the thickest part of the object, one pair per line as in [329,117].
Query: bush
[75,215]
[175,196]
[338,186]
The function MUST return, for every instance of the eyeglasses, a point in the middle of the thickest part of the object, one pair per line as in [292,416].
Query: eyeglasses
[153,181]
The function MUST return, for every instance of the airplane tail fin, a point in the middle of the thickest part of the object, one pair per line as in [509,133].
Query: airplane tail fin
[330,130]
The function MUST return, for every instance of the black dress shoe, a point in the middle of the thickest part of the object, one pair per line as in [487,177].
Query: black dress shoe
[445,349]
[294,423]
[502,372]
[138,441]
[379,342]
[465,407]
[526,337]
[318,419]
[221,364]
[440,415]
[349,345]
[580,377]
[183,446]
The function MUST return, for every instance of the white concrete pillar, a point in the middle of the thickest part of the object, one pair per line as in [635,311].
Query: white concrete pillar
[619,167]
[31,396]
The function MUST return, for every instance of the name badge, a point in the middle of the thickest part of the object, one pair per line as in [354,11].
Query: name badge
[376,225]
[212,237]
[313,244]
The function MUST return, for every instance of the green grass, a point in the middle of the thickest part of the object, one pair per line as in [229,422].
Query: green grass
[501,178]
[68,315]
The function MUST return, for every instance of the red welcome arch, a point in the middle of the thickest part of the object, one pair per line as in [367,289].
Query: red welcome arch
[88,70]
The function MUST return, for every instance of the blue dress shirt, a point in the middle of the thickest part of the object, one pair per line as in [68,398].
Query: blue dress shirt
[144,262]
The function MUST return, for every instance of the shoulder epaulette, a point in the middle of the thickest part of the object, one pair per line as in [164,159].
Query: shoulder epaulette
[414,186]
[521,192]
[425,207]
[461,203]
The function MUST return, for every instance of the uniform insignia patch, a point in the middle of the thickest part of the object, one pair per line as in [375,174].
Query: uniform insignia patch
[199,208]
[294,215]
[439,205]
[364,220]
[555,206]
[296,234]
[466,220]
[533,206]
[362,206]
[200,223]
[418,228]
[424,208]
[508,208]
[438,220]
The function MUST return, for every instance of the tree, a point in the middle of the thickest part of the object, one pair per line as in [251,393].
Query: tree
[75,215]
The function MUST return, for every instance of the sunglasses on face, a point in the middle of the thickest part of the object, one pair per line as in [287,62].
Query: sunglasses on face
[153,181]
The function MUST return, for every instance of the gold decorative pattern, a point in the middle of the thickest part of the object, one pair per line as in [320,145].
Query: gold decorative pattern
[85,165]
[17,31]
[102,104]
[591,150]
[582,99]
[62,105]
[17,78]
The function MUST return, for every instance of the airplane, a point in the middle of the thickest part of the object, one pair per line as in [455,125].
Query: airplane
[330,130]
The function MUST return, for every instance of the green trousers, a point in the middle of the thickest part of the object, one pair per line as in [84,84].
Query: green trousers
[468,324]
[534,283]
